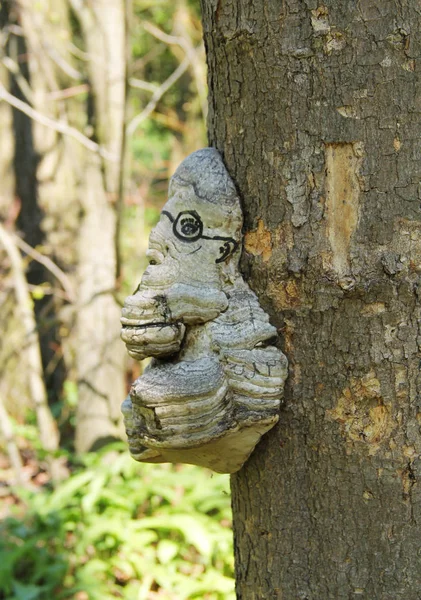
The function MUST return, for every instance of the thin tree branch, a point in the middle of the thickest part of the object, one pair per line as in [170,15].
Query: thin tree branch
[58,126]
[48,264]
[142,85]
[48,291]
[48,431]
[13,67]
[191,52]
[157,95]
[15,29]
[164,37]
[69,92]
[62,64]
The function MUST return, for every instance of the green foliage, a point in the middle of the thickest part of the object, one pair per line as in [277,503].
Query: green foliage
[119,529]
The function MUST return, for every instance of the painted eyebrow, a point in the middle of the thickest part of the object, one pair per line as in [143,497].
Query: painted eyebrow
[167,214]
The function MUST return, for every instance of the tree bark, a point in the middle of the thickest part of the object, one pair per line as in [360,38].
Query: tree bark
[317,111]
[100,353]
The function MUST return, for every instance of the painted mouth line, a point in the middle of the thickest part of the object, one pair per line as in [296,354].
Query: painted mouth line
[147,325]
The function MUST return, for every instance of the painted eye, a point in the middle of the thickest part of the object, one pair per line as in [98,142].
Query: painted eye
[188,226]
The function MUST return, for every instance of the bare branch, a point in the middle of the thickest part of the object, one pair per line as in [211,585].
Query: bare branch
[69,92]
[58,126]
[142,85]
[15,29]
[81,54]
[47,426]
[13,67]
[48,264]
[157,95]
[62,64]
[164,37]
[186,44]
[199,75]
[48,291]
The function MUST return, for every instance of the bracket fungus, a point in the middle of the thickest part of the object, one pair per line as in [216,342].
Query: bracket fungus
[214,384]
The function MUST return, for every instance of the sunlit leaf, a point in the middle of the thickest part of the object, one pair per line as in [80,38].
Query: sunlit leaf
[166,551]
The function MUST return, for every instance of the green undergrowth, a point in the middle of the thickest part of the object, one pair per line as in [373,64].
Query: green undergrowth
[119,529]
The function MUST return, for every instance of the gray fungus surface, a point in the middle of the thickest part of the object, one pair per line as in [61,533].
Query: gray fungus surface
[215,382]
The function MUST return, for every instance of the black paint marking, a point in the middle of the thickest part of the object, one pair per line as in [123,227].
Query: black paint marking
[229,246]
[169,215]
[194,251]
[188,227]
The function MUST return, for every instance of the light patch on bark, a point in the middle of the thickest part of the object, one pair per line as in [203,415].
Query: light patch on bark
[397,144]
[320,20]
[375,308]
[297,191]
[362,413]
[348,112]
[259,242]
[409,243]
[386,62]
[335,42]
[409,65]
[284,236]
[342,203]
[289,332]
[401,381]
[333,39]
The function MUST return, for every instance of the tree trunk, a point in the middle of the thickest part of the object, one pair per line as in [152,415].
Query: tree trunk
[317,110]
[68,194]
[100,353]
[45,184]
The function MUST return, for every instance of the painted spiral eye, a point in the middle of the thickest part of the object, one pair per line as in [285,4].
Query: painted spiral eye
[188,226]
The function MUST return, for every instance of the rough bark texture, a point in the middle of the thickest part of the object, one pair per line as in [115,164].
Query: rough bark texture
[317,110]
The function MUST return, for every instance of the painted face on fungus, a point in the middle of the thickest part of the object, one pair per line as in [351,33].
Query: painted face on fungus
[214,384]
[196,239]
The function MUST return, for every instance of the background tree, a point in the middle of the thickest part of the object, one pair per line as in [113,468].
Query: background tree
[64,83]
[98,534]
[64,190]
[99,358]
[316,108]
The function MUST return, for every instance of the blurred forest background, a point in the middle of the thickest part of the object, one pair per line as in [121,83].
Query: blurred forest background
[99,102]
